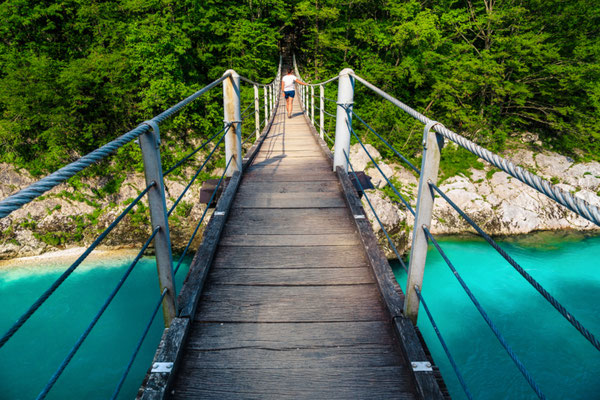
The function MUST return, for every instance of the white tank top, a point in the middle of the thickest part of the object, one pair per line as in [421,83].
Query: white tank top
[288,82]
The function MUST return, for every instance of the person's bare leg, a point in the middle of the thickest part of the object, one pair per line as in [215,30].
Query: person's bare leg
[289,105]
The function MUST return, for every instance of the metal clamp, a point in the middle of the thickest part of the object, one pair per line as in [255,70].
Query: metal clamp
[152,124]
[359,217]
[162,367]
[421,366]
[428,127]
[231,122]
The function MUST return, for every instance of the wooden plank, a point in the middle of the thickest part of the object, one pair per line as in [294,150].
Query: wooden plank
[292,277]
[290,187]
[290,304]
[290,200]
[291,167]
[156,384]
[295,383]
[282,336]
[343,239]
[426,382]
[243,221]
[259,176]
[289,257]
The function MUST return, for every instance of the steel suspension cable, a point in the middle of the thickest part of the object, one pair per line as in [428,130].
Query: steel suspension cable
[575,204]
[375,214]
[87,331]
[406,203]
[348,110]
[461,380]
[202,218]
[19,323]
[555,303]
[195,176]
[187,157]
[36,189]
[139,345]
[487,319]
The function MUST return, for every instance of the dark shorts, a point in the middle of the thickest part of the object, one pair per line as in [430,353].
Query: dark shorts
[290,93]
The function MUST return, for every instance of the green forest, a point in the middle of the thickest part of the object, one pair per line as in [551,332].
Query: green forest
[76,74]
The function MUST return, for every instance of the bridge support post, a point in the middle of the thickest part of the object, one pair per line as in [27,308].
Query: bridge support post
[343,119]
[256,111]
[312,104]
[232,116]
[432,146]
[321,111]
[266,105]
[150,145]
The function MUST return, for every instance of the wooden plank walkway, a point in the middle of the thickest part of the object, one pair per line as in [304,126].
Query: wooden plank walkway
[290,308]
[297,301]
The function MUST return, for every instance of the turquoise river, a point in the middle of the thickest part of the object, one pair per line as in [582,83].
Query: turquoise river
[563,363]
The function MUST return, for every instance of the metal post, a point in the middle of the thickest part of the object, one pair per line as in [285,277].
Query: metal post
[343,119]
[270,100]
[256,111]
[150,144]
[231,112]
[321,111]
[312,104]
[432,146]
[266,106]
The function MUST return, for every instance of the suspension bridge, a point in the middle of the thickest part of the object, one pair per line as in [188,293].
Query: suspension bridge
[289,294]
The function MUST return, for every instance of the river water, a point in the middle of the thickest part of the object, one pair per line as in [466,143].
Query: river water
[564,364]
[30,358]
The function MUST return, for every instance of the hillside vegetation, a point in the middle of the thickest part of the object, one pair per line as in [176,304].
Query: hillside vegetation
[75,74]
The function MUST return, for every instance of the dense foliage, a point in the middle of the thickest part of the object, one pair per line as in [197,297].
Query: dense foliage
[489,70]
[75,74]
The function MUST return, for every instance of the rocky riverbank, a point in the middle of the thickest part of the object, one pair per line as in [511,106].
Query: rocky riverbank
[71,216]
[498,203]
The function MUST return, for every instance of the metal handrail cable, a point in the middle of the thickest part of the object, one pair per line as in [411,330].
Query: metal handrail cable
[95,320]
[575,204]
[555,303]
[19,323]
[487,319]
[195,176]
[384,141]
[461,380]
[246,109]
[139,345]
[36,189]
[406,203]
[202,218]
[330,100]
[187,157]
[375,214]
[325,82]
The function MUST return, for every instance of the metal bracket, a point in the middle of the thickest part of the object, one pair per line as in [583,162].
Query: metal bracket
[162,367]
[421,366]
[218,213]
[359,217]
[231,122]
[428,127]
[155,128]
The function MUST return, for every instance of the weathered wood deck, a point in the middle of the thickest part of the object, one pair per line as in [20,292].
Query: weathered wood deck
[291,306]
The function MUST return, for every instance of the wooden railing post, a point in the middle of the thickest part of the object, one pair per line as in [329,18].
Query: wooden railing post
[231,112]
[150,145]
[432,146]
[343,119]
[256,111]
[321,111]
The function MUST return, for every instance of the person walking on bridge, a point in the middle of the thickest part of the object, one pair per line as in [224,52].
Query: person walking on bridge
[287,85]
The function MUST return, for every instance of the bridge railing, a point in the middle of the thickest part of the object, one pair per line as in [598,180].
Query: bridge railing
[147,135]
[434,137]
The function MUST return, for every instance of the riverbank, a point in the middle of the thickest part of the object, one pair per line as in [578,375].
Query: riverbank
[71,216]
